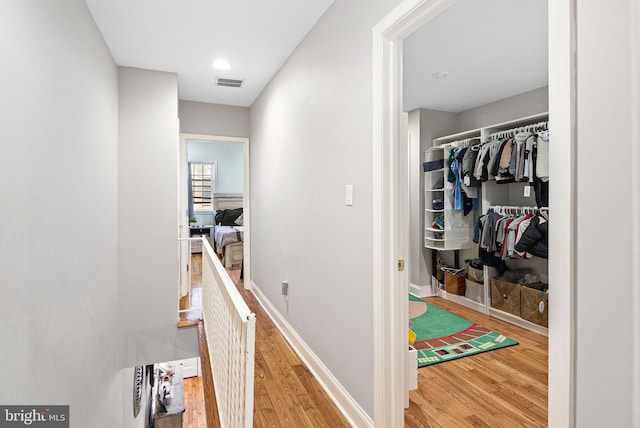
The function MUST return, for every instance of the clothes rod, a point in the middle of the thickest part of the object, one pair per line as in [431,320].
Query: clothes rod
[525,128]
[462,143]
[506,209]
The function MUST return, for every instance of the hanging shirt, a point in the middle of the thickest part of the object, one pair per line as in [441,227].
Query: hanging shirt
[542,158]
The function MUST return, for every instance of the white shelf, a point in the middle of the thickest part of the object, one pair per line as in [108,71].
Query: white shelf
[454,233]
[433,247]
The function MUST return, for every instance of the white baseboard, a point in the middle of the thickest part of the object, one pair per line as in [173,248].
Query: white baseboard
[349,408]
[421,290]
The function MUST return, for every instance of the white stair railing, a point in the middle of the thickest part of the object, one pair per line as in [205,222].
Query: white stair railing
[230,330]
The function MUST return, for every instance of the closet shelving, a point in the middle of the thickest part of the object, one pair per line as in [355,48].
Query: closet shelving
[457,229]
[515,196]
[434,190]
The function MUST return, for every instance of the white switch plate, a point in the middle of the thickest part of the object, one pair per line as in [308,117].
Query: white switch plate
[527,191]
[348,192]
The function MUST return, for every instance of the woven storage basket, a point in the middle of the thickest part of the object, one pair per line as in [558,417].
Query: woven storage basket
[505,296]
[535,306]
[454,283]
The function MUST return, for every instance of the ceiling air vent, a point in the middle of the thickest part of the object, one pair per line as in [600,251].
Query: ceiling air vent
[231,83]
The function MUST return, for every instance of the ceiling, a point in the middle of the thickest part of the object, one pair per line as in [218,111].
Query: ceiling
[491,49]
[184,37]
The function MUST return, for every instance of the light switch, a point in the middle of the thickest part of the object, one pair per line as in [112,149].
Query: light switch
[348,191]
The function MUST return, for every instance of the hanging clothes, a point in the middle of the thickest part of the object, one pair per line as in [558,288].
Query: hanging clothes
[534,239]
[469,164]
[513,236]
[465,198]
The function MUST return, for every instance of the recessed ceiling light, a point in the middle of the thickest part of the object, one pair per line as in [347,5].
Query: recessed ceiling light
[221,64]
[440,74]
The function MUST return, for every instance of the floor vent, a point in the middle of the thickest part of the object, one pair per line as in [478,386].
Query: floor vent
[231,83]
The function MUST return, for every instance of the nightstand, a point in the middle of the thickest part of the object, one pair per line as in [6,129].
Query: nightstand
[195,231]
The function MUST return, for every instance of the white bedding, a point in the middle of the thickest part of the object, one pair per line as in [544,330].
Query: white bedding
[225,235]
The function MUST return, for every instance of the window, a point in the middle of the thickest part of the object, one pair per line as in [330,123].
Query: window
[203,183]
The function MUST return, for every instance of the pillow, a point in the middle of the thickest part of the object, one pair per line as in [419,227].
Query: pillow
[240,220]
[229,217]
[218,216]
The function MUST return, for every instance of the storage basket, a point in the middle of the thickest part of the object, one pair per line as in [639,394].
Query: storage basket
[454,283]
[475,272]
[505,296]
[474,290]
[433,165]
[535,305]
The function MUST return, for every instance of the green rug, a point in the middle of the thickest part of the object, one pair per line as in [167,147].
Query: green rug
[443,336]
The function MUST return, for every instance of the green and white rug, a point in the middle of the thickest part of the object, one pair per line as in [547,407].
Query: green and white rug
[443,336]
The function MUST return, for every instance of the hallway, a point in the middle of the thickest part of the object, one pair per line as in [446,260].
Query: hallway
[286,393]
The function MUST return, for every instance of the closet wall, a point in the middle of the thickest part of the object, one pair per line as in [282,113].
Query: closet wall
[435,124]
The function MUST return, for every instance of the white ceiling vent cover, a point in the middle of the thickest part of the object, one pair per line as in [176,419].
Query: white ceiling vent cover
[230,83]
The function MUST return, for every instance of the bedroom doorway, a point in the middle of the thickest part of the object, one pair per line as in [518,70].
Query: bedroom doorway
[391,283]
[213,174]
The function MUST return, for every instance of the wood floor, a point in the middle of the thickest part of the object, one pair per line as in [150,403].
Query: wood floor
[286,393]
[503,388]
[194,299]
[194,408]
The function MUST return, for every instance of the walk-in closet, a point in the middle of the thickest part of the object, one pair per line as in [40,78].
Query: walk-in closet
[475,90]
[484,190]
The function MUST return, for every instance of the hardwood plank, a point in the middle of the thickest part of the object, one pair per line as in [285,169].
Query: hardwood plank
[320,398]
[194,408]
[264,413]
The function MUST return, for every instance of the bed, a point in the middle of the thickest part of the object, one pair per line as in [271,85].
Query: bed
[228,233]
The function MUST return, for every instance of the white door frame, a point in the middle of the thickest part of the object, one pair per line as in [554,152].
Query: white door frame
[635,186]
[246,200]
[390,286]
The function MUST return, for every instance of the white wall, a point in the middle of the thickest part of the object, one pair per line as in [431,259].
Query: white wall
[311,133]
[147,244]
[229,157]
[58,217]
[416,198]
[517,106]
[214,119]
[604,264]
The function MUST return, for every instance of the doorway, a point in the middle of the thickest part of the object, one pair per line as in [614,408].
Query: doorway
[227,183]
[390,201]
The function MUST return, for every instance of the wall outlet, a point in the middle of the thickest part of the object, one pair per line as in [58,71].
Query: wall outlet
[285,288]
